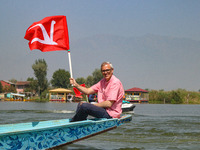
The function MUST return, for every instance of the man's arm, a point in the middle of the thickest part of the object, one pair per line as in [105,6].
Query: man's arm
[105,104]
[84,90]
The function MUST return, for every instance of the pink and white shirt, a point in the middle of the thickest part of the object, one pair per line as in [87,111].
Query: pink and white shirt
[111,90]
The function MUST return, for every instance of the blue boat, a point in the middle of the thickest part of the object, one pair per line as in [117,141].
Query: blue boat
[51,134]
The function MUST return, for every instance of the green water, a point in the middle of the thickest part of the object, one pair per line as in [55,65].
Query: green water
[154,127]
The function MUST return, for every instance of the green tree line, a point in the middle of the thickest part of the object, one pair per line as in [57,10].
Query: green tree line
[179,96]
[60,79]
[40,85]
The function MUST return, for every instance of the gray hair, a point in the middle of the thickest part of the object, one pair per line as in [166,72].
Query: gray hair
[105,63]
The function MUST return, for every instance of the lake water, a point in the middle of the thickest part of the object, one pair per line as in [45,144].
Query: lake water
[153,127]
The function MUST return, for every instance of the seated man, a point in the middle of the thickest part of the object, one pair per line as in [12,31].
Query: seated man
[110,95]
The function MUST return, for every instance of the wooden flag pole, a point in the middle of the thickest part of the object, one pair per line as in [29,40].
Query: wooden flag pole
[70,64]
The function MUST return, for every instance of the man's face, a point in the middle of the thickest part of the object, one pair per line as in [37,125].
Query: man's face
[107,72]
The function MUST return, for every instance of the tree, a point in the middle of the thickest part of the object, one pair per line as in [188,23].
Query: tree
[40,72]
[89,81]
[33,86]
[9,89]
[80,80]
[13,80]
[176,97]
[60,79]
[97,76]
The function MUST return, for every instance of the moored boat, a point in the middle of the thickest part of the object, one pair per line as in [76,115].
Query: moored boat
[54,133]
[127,107]
[16,97]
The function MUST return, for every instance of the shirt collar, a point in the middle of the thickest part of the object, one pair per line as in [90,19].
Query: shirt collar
[109,80]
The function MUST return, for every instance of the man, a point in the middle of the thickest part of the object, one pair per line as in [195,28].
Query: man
[110,95]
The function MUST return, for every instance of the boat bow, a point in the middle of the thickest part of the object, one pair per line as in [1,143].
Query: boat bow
[51,134]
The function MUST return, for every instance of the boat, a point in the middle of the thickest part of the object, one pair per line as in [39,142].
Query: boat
[127,107]
[16,97]
[54,133]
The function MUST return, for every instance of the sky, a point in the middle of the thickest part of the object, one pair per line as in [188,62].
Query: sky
[90,18]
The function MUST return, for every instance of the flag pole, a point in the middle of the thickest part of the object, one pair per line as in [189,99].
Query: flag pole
[70,64]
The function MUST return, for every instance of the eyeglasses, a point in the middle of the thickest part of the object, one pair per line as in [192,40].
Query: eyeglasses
[107,70]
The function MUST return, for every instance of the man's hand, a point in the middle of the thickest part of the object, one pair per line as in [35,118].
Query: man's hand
[82,89]
[73,82]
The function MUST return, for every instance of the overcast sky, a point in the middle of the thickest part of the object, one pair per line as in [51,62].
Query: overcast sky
[89,18]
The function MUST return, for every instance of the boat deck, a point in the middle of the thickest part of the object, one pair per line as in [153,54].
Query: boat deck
[24,127]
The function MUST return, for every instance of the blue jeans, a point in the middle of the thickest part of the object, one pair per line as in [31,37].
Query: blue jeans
[86,109]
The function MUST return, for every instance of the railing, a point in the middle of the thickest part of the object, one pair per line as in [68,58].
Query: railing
[136,99]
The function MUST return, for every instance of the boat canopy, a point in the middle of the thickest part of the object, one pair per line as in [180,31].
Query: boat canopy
[60,90]
[16,94]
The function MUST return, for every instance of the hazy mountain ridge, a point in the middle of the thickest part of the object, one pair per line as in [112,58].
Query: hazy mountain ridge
[149,55]
[153,46]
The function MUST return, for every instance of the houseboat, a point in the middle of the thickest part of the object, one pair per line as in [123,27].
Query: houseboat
[137,95]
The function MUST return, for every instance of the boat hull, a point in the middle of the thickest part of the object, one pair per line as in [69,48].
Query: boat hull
[51,134]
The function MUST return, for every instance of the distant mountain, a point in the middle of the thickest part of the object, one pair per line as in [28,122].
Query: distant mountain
[153,56]
[148,48]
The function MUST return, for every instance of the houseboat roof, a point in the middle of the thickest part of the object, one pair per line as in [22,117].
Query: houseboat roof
[23,83]
[7,82]
[135,89]
[60,90]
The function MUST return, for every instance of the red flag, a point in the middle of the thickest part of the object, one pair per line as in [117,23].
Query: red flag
[49,34]
[77,92]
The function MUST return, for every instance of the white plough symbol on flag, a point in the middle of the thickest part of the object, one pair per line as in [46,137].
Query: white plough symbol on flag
[47,40]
